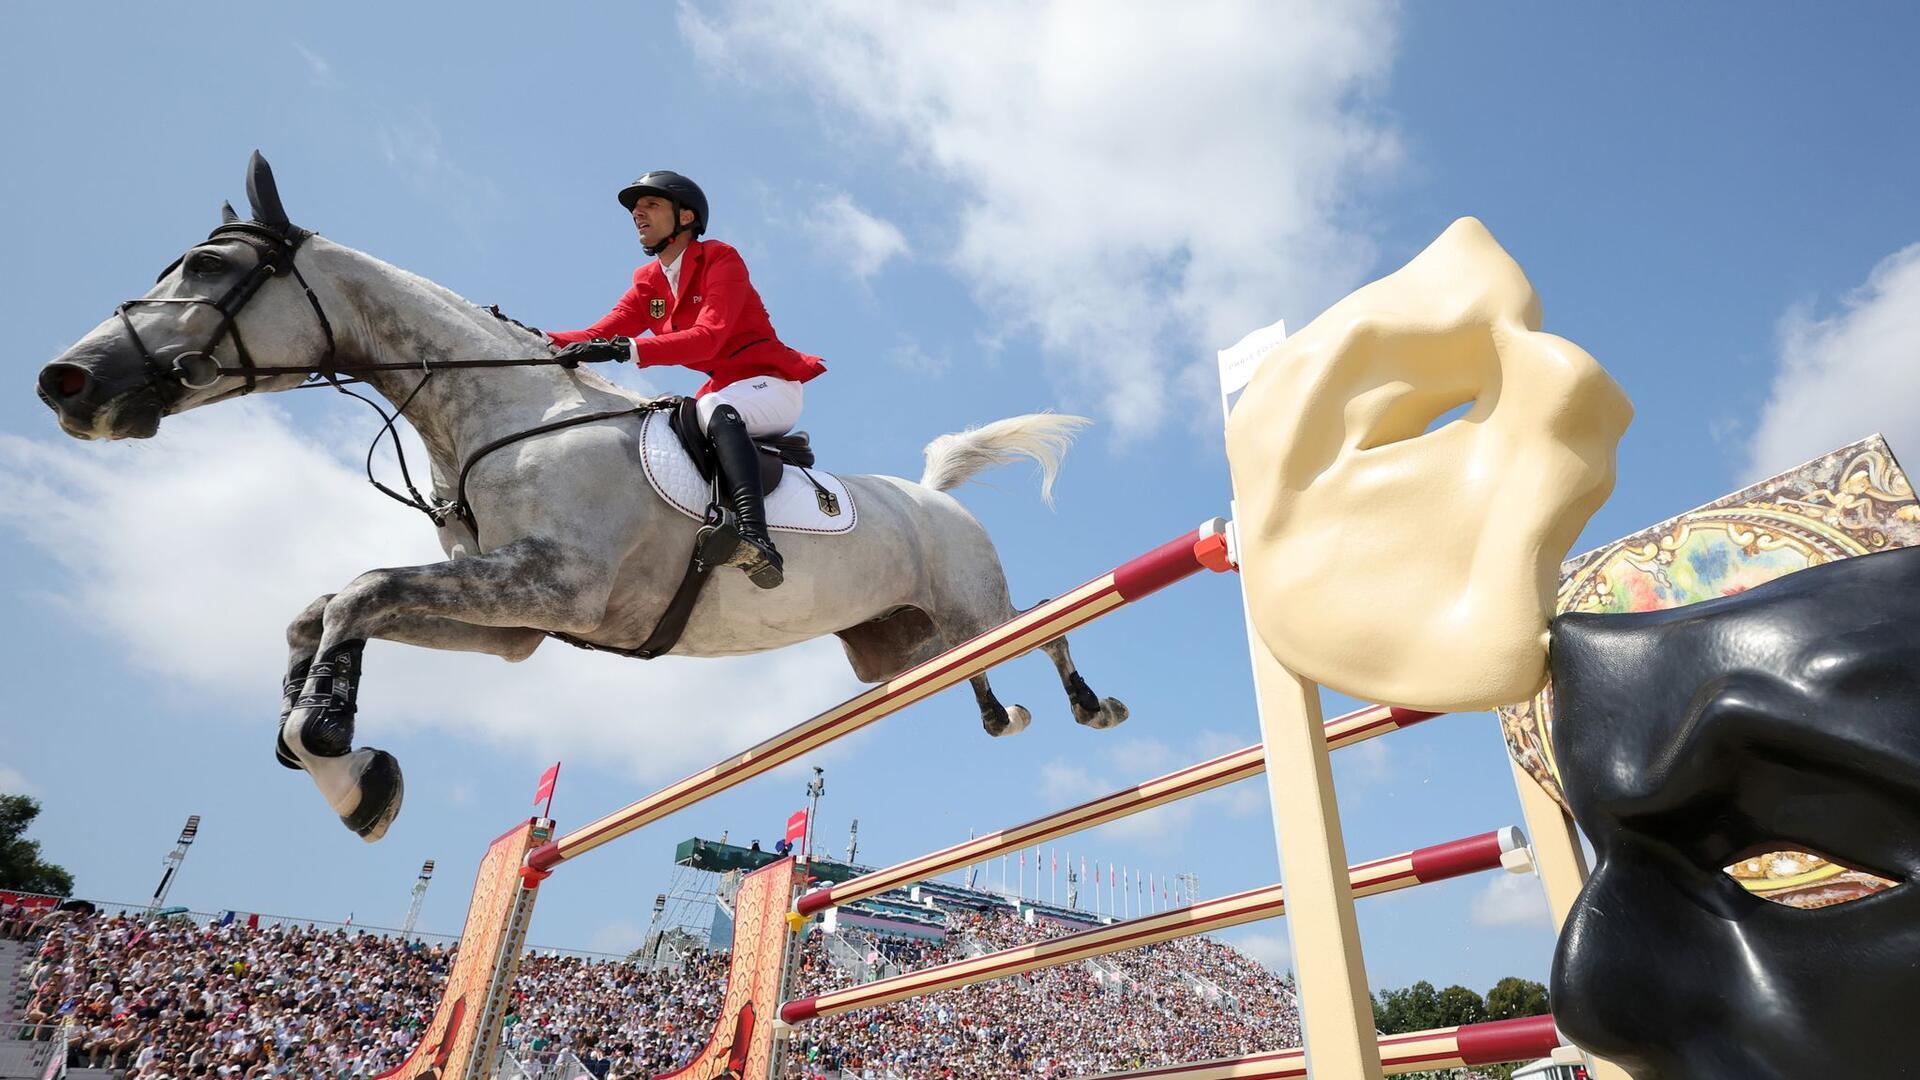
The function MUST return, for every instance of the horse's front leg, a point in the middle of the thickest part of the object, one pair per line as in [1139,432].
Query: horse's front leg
[525,587]
[510,643]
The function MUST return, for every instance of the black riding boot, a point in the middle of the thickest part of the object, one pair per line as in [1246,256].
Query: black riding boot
[740,472]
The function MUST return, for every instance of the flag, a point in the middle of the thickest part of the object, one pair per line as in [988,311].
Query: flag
[349,918]
[253,921]
[226,918]
[797,828]
[544,792]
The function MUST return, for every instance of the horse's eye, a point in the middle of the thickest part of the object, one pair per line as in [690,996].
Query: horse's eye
[206,262]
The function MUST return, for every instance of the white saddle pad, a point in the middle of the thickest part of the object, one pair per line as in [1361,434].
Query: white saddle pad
[794,506]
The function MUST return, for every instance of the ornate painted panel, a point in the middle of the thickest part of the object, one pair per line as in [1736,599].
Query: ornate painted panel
[1853,501]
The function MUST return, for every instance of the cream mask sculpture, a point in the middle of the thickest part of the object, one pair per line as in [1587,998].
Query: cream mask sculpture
[1407,566]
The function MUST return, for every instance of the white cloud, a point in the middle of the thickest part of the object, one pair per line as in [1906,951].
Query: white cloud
[1370,763]
[617,937]
[14,782]
[1848,374]
[1066,784]
[1511,900]
[318,67]
[908,355]
[191,553]
[1134,188]
[864,242]
[412,144]
[1268,947]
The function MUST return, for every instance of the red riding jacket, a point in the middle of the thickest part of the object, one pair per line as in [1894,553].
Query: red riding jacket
[716,326]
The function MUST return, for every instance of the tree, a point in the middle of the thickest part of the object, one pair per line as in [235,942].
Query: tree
[1512,998]
[1421,1008]
[1417,1008]
[1459,1005]
[20,867]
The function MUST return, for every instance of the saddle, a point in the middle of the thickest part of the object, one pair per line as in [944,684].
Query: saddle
[776,452]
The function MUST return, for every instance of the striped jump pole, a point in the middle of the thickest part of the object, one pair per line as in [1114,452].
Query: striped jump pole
[1442,1048]
[1204,548]
[1430,864]
[1354,727]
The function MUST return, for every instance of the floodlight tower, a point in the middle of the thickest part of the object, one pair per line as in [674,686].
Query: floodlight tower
[815,788]
[173,861]
[1192,881]
[419,897]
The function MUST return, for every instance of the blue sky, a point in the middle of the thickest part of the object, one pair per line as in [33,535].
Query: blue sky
[970,214]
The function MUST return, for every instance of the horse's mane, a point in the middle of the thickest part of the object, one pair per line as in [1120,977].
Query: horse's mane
[486,316]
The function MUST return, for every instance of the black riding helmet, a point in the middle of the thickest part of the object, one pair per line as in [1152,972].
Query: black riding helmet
[683,193]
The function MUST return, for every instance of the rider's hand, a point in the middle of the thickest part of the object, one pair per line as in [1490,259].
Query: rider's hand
[593,352]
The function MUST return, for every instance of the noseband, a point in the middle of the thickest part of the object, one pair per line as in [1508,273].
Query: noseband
[275,248]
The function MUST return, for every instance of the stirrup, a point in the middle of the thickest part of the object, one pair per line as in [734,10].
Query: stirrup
[718,541]
[761,563]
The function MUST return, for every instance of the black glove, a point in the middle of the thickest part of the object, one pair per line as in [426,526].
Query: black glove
[593,352]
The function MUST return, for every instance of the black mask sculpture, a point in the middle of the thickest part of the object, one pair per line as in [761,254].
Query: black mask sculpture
[1785,717]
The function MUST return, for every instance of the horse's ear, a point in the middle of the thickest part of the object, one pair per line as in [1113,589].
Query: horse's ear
[227,215]
[262,194]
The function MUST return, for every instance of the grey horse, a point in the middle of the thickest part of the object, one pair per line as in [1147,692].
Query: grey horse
[562,533]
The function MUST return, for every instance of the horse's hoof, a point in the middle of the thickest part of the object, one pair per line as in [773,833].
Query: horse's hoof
[1112,714]
[381,791]
[1011,720]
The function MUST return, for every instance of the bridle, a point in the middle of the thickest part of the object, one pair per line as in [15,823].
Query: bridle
[199,369]
[275,248]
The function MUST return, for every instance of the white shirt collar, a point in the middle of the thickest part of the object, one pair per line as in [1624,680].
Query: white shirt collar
[672,270]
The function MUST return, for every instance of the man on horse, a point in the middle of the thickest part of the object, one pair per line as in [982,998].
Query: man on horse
[702,312]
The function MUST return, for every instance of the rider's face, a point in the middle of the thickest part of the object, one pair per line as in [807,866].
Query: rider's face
[653,218]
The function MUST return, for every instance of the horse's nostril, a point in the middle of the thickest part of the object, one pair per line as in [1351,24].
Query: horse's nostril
[69,381]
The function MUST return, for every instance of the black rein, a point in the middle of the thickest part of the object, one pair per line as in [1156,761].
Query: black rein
[276,247]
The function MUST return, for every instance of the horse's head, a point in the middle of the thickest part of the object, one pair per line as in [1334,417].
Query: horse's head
[223,309]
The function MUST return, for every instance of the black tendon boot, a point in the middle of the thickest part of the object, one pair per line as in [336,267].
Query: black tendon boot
[740,471]
[289,696]
[323,720]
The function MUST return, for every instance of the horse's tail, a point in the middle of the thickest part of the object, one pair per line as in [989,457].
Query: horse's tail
[954,459]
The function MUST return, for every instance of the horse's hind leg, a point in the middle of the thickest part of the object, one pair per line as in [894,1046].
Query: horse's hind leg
[996,718]
[1089,708]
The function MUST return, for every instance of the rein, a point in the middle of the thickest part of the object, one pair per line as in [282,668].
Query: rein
[199,369]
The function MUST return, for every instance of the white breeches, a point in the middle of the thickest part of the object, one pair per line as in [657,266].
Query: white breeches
[769,405]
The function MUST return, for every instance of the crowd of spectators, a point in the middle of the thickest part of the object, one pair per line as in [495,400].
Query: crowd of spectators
[165,999]
[1061,1022]
[619,1019]
[21,920]
[169,999]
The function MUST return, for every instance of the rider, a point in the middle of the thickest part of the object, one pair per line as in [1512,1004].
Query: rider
[703,313]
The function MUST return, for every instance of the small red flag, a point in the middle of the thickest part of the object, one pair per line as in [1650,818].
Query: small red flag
[797,828]
[547,779]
